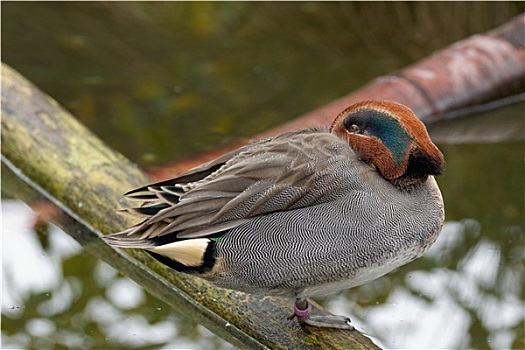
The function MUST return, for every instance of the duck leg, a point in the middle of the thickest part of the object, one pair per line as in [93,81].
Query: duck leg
[302,310]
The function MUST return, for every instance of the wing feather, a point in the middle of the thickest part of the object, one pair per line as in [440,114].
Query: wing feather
[288,172]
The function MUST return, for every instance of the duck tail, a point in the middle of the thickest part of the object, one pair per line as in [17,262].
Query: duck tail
[124,240]
[195,255]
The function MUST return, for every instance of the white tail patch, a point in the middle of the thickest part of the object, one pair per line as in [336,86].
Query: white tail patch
[188,252]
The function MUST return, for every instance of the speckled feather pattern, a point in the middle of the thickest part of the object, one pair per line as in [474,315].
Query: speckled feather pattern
[355,237]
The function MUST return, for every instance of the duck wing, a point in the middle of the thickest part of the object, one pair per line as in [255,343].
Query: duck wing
[287,172]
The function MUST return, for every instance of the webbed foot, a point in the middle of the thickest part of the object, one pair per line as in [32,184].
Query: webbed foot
[302,310]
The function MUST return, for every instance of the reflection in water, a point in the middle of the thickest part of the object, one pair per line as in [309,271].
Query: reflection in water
[159,81]
[439,307]
[60,296]
[434,306]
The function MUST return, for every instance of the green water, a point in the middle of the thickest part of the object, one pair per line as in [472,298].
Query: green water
[162,81]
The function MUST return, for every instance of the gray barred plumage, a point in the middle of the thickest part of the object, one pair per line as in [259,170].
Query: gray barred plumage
[305,213]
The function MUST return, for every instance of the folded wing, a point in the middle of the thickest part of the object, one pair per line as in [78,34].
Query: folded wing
[290,171]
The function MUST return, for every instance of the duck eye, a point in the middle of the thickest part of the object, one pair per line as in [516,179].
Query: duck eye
[354,128]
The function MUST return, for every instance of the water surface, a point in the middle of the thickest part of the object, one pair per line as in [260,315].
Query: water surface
[163,81]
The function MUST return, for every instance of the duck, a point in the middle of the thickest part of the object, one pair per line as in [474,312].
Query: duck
[302,214]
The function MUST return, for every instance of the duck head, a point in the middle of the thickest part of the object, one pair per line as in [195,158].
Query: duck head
[390,137]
